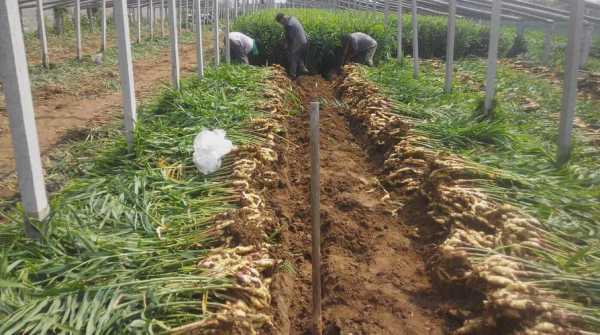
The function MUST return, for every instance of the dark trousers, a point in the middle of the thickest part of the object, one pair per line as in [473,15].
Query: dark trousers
[237,54]
[296,61]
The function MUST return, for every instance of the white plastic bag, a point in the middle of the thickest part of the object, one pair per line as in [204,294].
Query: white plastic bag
[209,148]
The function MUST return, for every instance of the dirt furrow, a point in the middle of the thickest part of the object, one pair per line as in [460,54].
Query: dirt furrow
[374,282]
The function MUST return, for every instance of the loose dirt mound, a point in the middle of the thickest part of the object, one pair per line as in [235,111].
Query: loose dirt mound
[374,282]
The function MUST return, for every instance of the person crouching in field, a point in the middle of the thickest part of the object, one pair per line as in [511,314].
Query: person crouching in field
[358,48]
[241,47]
[296,43]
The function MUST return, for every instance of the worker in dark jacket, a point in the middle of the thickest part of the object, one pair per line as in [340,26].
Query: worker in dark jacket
[359,48]
[296,43]
[241,47]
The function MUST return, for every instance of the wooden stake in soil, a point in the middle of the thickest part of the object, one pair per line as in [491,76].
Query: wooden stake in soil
[315,199]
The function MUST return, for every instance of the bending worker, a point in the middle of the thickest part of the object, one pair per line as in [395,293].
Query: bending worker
[296,43]
[359,48]
[240,46]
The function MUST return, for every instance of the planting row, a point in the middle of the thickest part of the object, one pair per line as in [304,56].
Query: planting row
[541,248]
[133,245]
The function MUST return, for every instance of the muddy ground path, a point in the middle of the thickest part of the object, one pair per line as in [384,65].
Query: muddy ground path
[65,116]
[374,277]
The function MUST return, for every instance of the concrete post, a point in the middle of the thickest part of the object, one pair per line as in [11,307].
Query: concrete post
[415,39]
[59,20]
[521,29]
[386,12]
[216,32]
[103,41]
[569,97]
[548,35]
[174,43]
[180,13]
[399,35]
[586,46]
[78,28]
[125,68]
[151,19]
[14,75]
[450,45]
[139,22]
[199,47]
[162,18]
[227,23]
[490,83]
[42,33]
[90,16]
[187,14]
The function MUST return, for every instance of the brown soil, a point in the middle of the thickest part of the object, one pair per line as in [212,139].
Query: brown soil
[61,114]
[374,280]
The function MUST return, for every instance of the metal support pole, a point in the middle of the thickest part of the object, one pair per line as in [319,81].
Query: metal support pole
[216,31]
[399,35]
[490,82]
[78,28]
[415,39]
[162,18]
[42,33]
[17,90]
[450,45]
[227,23]
[139,22]
[315,201]
[548,35]
[174,43]
[125,68]
[151,19]
[569,97]
[199,47]
[103,28]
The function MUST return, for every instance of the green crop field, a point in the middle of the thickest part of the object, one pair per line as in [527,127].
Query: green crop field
[138,241]
[101,267]
[325,29]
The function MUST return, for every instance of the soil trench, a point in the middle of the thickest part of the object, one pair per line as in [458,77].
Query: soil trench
[374,282]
